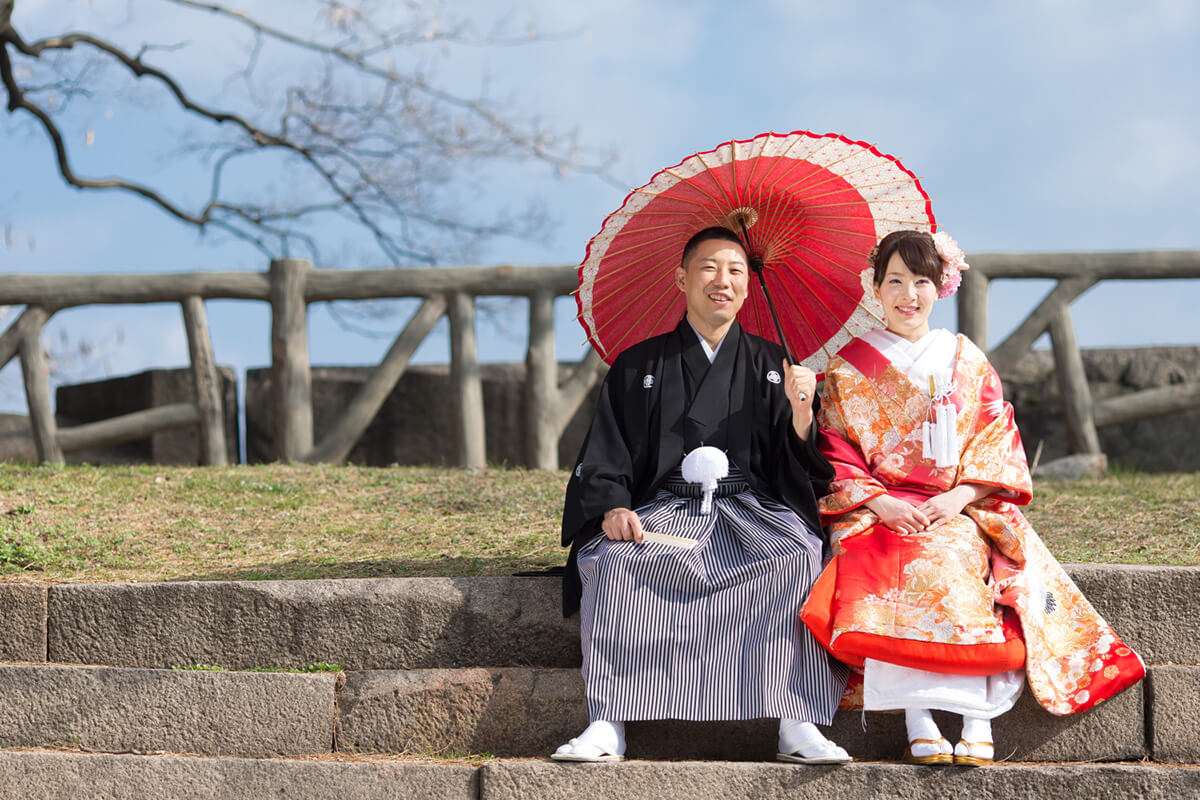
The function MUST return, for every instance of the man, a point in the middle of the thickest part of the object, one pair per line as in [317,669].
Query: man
[708,632]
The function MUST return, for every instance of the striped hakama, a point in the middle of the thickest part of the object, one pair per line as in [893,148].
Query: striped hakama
[710,633]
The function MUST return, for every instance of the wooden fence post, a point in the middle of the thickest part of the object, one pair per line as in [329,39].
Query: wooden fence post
[206,383]
[336,445]
[973,307]
[37,387]
[291,374]
[128,427]
[1072,383]
[1147,404]
[541,385]
[1006,354]
[466,385]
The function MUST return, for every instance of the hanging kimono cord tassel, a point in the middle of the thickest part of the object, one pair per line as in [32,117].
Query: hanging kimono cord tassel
[758,268]
[706,466]
[939,439]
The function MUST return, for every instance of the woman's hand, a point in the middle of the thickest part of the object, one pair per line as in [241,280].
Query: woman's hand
[897,514]
[800,386]
[948,505]
[622,525]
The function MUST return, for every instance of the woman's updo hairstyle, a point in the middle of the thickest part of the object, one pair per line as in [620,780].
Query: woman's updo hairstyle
[916,250]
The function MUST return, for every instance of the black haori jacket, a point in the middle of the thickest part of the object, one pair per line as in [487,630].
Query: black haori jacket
[660,400]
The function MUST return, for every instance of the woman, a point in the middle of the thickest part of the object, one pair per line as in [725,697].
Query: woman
[934,565]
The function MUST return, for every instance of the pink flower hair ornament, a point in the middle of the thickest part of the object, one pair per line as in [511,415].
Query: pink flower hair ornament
[954,261]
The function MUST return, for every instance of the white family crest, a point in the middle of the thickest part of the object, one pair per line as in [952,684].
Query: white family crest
[647,381]
[578,469]
[773,377]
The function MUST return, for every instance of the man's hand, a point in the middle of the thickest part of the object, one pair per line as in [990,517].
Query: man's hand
[622,525]
[800,386]
[897,514]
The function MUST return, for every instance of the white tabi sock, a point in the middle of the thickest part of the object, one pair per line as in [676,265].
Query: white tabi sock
[805,739]
[920,725]
[977,734]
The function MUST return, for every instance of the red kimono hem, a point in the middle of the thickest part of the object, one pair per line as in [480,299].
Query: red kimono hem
[853,647]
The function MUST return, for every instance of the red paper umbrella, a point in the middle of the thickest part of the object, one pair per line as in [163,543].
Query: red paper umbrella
[809,206]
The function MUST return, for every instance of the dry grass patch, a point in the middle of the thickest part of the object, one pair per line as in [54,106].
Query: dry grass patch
[1129,518]
[147,523]
[165,523]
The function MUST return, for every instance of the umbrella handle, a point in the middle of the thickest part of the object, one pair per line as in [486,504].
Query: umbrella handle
[757,265]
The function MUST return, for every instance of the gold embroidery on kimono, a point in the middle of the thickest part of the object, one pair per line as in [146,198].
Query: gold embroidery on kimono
[947,599]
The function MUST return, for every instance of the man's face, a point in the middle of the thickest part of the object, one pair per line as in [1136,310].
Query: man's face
[714,282]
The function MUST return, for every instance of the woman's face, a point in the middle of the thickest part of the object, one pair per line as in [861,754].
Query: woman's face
[907,299]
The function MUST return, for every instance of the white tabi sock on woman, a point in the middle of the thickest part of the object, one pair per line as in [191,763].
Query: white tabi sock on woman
[976,739]
[920,725]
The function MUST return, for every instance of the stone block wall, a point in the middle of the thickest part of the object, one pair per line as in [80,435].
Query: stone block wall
[414,425]
[81,403]
[1163,444]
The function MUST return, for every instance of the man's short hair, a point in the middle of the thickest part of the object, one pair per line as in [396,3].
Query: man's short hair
[700,237]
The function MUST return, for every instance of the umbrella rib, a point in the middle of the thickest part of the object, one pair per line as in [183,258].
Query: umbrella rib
[667,195]
[846,175]
[666,237]
[632,299]
[716,201]
[858,190]
[752,196]
[794,163]
[657,255]
[672,222]
[616,346]
[798,312]
[818,272]
[615,314]
[857,148]
[826,174]
[730,201]
[734,193]
[810,229]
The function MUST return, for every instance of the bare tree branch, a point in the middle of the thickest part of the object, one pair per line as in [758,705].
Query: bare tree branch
[356,141]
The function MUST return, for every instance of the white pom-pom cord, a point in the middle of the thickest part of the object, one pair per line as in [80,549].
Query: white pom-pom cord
[705,466]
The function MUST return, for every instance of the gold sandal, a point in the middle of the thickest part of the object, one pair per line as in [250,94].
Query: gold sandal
[937,759]
[968,760]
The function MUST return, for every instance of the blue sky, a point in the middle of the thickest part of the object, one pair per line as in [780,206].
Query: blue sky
[1035,126]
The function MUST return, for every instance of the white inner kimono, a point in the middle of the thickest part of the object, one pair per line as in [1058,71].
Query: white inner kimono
[890,687]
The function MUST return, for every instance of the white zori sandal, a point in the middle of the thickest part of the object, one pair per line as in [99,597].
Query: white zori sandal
[801,743]
[600,742]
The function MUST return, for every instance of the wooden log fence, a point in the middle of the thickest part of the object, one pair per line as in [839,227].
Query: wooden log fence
[289,287]
[1075,273]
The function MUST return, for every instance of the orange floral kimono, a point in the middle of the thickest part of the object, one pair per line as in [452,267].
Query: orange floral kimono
[979,594]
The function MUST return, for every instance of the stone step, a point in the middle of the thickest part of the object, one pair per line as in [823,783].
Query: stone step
[506,712]
[414,623]
[87,777]
[80,776]
[529,712]
[148,710]
[370,623]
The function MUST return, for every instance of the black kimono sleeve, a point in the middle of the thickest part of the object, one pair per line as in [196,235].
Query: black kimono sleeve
[803,474]
[603,471]
[605,474]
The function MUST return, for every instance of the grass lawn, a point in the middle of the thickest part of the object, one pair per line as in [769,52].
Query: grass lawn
[149,523]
